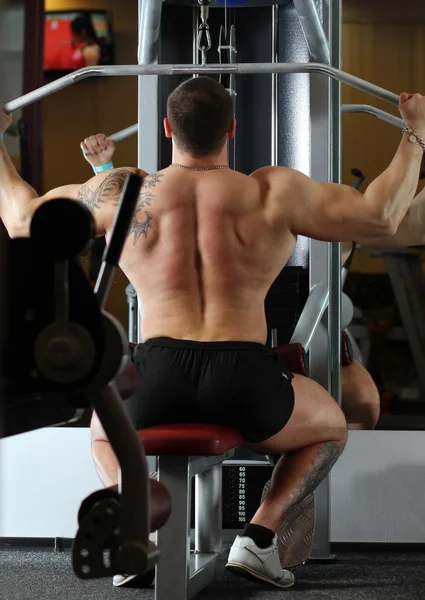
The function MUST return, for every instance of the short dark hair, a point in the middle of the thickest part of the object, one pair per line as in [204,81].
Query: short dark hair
[200,112]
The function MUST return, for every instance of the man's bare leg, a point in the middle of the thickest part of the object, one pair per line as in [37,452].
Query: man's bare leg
[360,397]
[105,461]
[312,441]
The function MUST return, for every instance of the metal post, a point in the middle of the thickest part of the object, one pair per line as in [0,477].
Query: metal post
[275,59]
[319,275]
[334,312]
[322,545]
[148,117]
[195,22]
[313,30]
[274,155]
[208,510]
[148,88]
[172,570]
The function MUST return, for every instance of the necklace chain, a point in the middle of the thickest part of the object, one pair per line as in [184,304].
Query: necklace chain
[198,168]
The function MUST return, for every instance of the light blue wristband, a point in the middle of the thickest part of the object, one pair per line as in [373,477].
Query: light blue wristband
[101,168]
[1,137]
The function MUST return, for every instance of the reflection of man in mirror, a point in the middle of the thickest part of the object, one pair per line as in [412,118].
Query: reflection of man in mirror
[86,45]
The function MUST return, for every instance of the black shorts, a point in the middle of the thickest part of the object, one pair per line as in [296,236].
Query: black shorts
[239,384]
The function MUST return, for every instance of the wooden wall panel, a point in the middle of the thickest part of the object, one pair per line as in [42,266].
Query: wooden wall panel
[102,105]
[411,11]
[383,42]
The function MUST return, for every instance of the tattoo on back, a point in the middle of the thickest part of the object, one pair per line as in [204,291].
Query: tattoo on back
[141,228]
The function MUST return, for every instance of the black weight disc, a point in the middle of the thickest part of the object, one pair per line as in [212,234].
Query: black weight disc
[63,228]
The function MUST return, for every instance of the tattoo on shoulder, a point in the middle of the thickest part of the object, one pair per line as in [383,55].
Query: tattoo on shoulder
[110,189]
[141,228]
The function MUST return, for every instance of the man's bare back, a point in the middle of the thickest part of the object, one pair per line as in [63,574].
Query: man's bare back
[204,255]
[205,245]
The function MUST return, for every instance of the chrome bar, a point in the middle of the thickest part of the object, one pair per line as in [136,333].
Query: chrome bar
[275,59]
[321,546]
[237,68]
[334,312]
[376,112]
[195,22]
[313,30]
[149,28]
[149,12]
[317,303]
[124,133]
[319,8]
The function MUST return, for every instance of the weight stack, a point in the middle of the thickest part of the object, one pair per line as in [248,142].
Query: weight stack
[243,484]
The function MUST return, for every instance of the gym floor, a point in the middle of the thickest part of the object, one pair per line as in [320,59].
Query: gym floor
[47,575]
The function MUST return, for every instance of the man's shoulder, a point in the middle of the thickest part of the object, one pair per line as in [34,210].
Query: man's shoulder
[277,179]
[273,172]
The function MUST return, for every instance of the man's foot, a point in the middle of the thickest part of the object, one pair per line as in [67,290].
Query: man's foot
[258,564]
[296,534]
[142,581]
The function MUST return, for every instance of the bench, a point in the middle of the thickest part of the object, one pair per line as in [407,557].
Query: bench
[195,450]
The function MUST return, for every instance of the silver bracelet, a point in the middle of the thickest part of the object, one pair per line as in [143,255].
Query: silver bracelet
[414,137]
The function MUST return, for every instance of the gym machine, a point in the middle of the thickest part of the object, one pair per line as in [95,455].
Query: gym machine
[311,149]
[61,353]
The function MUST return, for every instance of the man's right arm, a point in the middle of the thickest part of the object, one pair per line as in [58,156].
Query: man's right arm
[333,212]
[411,231]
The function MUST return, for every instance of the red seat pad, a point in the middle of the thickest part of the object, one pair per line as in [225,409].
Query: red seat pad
[294,355]
[189,439]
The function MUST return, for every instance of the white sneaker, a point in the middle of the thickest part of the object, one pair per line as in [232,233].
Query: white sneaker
[143,581]
[251,562]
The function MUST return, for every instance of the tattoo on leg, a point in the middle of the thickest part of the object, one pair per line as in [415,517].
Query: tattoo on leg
[327,455]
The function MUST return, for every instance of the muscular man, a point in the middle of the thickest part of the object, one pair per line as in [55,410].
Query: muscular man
[360,396]
[203,248]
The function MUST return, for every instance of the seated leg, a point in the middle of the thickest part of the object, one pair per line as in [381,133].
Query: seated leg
[105,461]
[360,397]
[311,442]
